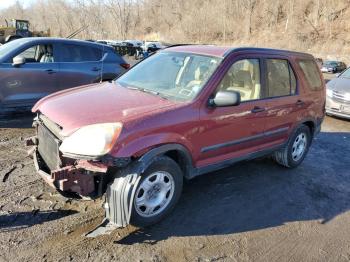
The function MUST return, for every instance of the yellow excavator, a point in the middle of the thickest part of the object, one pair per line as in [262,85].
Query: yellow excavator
[17,28]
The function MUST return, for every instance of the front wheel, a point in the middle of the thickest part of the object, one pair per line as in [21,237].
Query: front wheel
[157,193]
[296,149]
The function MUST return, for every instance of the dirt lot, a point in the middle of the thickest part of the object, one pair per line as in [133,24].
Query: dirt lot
[253,211]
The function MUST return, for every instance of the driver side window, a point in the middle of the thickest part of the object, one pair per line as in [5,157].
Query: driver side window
[243,77]
[38,54]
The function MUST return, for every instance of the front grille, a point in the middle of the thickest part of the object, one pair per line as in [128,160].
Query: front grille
[48,146]
[340,97]
[2,32]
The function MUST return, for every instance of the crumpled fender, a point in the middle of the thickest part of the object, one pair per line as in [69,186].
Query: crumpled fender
[121,192]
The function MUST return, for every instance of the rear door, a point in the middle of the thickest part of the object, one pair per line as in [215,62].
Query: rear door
[23,85]
[79,65]
[283,102]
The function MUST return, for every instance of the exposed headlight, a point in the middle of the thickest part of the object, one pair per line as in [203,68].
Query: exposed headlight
[329,93]
[92,140]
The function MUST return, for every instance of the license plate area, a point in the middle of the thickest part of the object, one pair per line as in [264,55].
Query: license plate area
[48,146]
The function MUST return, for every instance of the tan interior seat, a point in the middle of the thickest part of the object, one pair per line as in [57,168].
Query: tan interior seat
[199,76]
[242,82]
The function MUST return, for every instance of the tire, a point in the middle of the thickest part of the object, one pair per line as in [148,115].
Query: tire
[290,156]
[167,172]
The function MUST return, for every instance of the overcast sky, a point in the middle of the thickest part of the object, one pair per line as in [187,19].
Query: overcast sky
[7,3]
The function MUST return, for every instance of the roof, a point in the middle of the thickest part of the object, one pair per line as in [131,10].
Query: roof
[209,50]
[223,51]
[56,39]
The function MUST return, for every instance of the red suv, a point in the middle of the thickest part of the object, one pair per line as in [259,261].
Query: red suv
[182,112]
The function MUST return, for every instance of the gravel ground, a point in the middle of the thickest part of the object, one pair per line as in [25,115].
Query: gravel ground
[252,211]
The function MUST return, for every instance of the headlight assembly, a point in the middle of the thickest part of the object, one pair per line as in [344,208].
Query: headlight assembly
[329,92]
[92,140]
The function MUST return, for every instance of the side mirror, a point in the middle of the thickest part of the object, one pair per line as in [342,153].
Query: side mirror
[225,98]
[18,61]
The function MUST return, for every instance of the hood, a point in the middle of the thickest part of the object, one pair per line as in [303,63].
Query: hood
[98,103]
[340,84]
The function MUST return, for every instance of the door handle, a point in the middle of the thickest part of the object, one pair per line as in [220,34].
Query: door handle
[258,109]
[300,103]
[95,69]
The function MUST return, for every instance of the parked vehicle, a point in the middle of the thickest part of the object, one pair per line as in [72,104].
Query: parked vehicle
[338,95]
[31,68]
[182,112]
[148,48]
[333,67]
[135,43]
[152,46]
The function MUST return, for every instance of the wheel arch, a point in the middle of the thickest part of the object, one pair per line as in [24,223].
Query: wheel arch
[311,125]
[176,152]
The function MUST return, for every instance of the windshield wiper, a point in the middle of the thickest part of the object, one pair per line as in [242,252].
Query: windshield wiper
[148,91]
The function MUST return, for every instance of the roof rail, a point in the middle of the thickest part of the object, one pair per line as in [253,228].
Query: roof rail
[176,45]
[184,45]
[236,49]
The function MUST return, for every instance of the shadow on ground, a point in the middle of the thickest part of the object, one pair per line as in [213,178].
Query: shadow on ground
[260,194]
[20,220]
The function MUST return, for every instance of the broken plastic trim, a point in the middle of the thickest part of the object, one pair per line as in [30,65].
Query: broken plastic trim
[120,197]
[118,205]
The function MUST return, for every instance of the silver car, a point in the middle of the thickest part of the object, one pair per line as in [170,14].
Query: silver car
[338,95]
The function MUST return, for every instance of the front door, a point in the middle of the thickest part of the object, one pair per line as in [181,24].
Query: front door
[22,85]
[235,131]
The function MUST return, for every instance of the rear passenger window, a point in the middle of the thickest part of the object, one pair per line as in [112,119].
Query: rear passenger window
[281,80]
[311,73]
[76,53]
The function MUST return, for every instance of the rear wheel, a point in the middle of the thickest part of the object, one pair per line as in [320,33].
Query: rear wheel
[296,149]
[157,193]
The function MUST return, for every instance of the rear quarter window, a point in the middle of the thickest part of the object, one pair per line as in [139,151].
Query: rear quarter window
[311,73]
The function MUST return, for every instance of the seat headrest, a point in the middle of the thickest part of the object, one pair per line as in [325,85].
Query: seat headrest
[200,72]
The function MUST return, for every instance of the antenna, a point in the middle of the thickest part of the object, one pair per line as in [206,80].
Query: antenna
[77,32]
[103,56]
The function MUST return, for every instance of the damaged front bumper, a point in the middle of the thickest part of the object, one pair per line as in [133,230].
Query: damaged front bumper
[83,177]
[89,178]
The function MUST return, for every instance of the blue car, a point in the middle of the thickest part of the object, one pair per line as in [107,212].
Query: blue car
[31,68]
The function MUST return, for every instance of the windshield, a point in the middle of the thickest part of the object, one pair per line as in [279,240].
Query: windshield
[330,63]
[346,73]
[8,47]
[173,75]
[22,25]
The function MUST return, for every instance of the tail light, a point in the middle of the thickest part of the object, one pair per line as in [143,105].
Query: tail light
[125,66]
